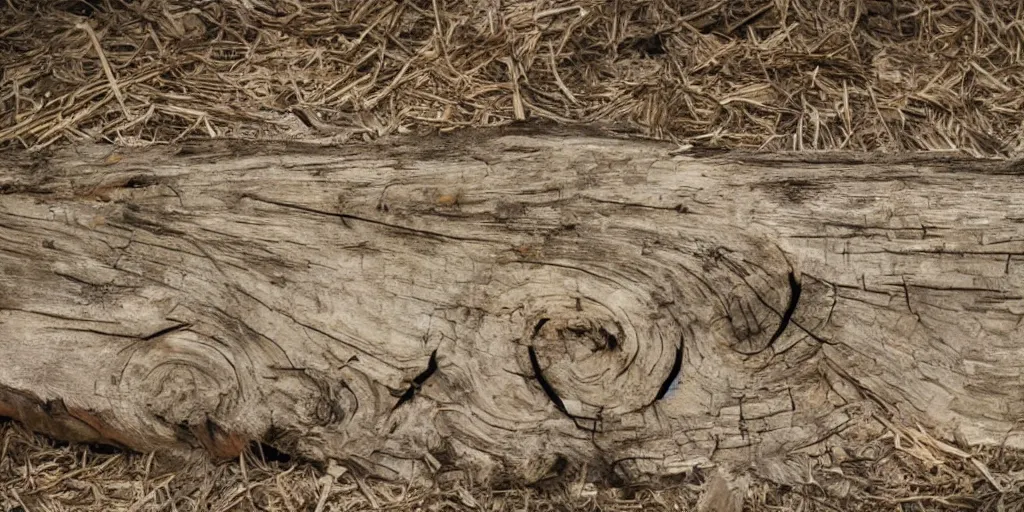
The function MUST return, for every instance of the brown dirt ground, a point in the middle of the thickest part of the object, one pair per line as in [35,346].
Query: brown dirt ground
[862,75]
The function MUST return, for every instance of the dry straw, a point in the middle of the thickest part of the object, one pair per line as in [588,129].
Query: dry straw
[900,470]
[893,75]
[770,74]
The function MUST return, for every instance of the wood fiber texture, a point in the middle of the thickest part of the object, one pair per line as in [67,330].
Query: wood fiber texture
[513,305]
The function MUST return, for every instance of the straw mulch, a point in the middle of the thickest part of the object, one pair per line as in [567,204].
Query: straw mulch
[770,74]
[903,470]
[895,75]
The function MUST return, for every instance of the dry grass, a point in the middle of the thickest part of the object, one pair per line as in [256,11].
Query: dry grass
[773,74]
[899,75]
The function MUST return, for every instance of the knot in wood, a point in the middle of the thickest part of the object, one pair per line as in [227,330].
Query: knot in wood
[599,357]
[184,382]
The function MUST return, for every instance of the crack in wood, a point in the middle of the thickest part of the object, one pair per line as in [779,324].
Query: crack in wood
[540,325]
[677,365]
[418,381]
[787,315]
[345,217]
[167,330]
[58,316]
[549,390]
[678,208]
[611,342]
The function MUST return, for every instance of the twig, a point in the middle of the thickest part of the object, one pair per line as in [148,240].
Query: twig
[18,499]
[105,64]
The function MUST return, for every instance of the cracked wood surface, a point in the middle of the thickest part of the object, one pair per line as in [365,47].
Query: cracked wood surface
[508,304]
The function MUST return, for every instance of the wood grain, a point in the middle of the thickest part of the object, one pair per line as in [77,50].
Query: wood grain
[511,305]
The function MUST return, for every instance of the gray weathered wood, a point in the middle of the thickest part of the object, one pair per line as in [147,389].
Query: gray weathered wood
[584,300]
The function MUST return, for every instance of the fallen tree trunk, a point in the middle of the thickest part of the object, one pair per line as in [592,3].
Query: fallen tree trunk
[519,303]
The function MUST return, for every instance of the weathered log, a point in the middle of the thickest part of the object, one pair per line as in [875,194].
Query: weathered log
[520,303]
